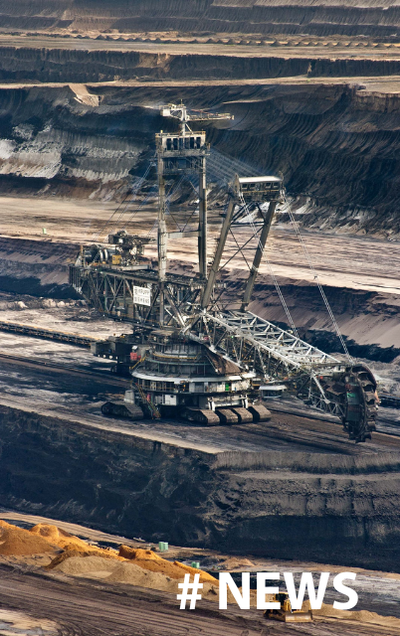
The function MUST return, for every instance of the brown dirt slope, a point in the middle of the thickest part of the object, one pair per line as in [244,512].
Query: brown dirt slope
[17,541]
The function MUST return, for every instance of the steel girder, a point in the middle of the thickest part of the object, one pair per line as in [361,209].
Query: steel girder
[249,339]
[345,390]
[257,345]
[112,294]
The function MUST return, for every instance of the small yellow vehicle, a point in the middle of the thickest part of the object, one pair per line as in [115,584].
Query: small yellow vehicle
[286,613]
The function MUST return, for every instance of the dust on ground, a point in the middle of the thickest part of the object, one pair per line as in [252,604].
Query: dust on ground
[278,46]
[12,623]
[71,556]
[355,262]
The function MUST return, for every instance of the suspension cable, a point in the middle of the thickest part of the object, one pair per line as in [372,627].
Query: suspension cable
[274,278]
[137,186]
[321,289]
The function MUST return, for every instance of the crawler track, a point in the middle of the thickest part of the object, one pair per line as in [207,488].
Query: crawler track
[286,426]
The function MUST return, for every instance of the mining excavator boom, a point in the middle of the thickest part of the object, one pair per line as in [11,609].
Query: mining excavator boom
[347,391]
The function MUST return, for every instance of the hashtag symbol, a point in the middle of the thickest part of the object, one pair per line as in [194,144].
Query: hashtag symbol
[190,596]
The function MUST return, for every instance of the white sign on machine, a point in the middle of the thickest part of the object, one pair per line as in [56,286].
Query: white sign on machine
[141,296]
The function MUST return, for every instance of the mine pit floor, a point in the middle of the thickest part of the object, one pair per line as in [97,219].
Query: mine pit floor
[76,606]
[71,391]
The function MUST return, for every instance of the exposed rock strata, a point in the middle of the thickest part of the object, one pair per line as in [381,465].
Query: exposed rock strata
[380,18]
[326,508]
[337,147]
[48,64]
[36,268]
[369,321]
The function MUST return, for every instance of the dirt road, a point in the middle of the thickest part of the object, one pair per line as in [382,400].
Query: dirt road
[91,610]
[71,391]
[356,262]
[332,48]
[82,608]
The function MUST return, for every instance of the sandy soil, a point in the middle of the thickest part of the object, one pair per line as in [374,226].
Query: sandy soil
[70,600]
[12,623]
[79,606]
[341,261]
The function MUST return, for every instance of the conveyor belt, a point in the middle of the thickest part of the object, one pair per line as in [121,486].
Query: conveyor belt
[47,334]
[345,390]
[87,374]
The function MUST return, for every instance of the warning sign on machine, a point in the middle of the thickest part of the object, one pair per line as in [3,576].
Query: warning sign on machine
[141,296]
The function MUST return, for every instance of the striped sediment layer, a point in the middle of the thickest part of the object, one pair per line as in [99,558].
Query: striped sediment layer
[53,144]
[326,508]
[379,18]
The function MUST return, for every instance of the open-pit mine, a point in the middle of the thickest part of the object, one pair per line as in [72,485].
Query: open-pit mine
[200,299]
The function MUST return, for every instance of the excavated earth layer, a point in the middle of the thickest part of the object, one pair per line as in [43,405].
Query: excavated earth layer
[344,17]
[36,268]
[338,508]
[27,64]
[336,146]
[369,320]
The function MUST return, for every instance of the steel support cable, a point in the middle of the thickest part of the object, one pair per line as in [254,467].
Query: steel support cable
[217,172]
[135,188]
[188,220]
[240,249]
[237,251]
[229,166]
[194,211]
[282,298]
[171,190]
[275,280]
[176,187]
[169,213]
[185,176]
[320,288]
[144,203]
[104,226]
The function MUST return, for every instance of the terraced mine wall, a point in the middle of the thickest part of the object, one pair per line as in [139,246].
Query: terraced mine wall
[327,508]
[337,146]
[36,268]
[378,18]
[64,65]
[369,321]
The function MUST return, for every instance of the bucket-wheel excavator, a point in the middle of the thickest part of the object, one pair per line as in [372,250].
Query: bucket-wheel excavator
[194,351]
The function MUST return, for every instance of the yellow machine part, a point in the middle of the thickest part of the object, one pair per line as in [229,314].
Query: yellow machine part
[286,614]
[297,616]
[116,259]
